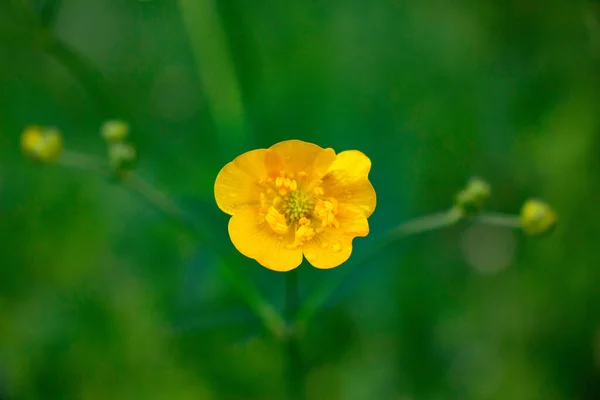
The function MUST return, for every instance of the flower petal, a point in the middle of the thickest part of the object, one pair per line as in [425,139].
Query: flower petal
[298,156]
[333,246]
[255,239]
[348,181]
[328,249]
[236,185]
[353,221]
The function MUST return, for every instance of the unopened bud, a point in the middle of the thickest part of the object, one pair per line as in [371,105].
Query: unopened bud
[537,217]
[472,198]
[115,131]
[122,158]
[42,144]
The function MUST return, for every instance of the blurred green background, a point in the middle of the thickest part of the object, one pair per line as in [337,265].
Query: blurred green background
[102,297]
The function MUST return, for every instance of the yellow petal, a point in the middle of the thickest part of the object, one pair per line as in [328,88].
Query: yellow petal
[328,249]
[333,246]
[348,181]
[298,156]
[352,220]
[255,239]
[237,183]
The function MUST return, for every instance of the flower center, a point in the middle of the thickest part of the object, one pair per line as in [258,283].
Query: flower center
[295,207]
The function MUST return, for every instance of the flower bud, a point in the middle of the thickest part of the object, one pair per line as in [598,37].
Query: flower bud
[42,144]
[122,158]
[537,217]
[472,198]
[115,131]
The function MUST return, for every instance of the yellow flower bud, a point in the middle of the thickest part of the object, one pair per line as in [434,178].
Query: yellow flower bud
[472,198]
[42,144]
[115,131]
[122,158]
[537,217]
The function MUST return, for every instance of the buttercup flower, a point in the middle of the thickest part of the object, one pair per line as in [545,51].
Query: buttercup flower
[296,199]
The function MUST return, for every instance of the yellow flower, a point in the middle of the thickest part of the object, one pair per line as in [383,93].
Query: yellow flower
[296,199]
[42,144]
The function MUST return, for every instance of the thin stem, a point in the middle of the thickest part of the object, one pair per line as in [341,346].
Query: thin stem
[84,162]
[499,219]
[269,317]
[92,80]
[163,203]
[412,227]
[425,224]
[85,72]
[216,71]
[154,196]
[295,370]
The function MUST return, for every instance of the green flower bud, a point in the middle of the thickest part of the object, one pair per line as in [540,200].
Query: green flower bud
[122,158]
[537,217]
[42,144]
[472,198]
[115,131]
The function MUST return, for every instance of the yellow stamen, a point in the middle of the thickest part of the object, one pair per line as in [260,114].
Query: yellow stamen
[276,221]
[303,234]
[326,210]
[285,185]
[285,206]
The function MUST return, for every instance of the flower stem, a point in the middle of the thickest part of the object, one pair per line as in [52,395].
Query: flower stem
[270,319]
[499,219]
[425,224]
[295,372]
[216,71]
[412,227]
[83,162]
[36,33]
[90,78]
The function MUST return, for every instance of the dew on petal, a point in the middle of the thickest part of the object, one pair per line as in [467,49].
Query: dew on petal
[337,247]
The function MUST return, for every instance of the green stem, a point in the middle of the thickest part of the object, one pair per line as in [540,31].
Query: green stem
[295,373]
[34,32]
[157,198]
[499,219]
[216,72]
[83,162]
[163,203]
[226,103]
[425,224]
[86,74]
[413,227]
